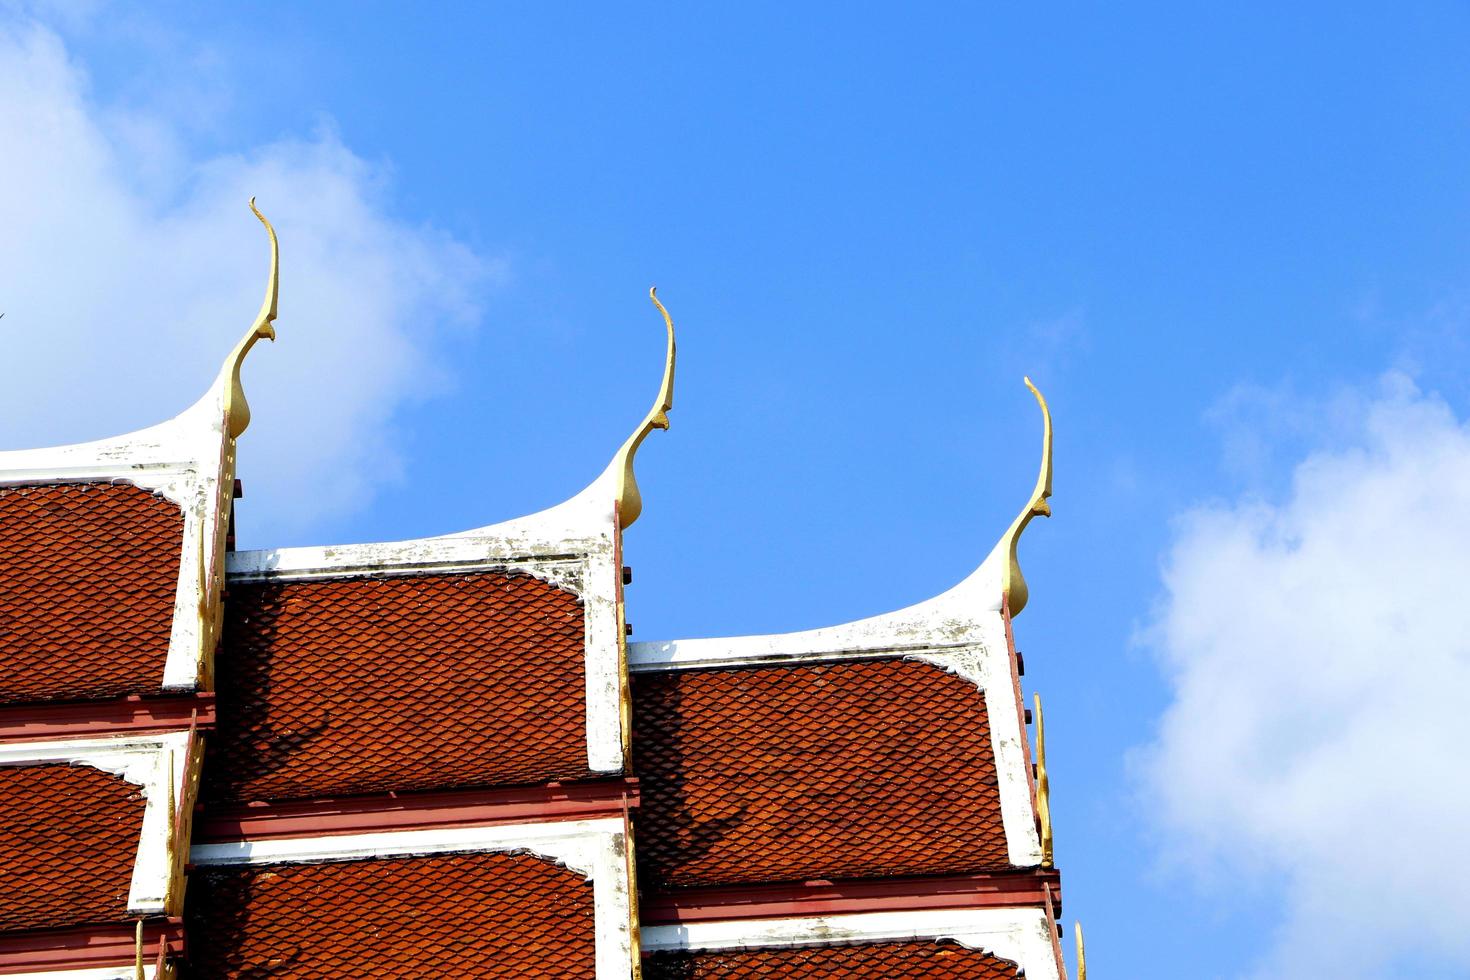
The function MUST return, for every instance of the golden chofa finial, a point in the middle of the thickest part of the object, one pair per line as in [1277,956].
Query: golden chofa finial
[1043,790]
[630,502]
[1014,584]
[237,409]
[1081,954]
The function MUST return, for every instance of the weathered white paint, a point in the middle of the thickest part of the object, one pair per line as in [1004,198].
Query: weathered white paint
[190,460]
[988,666]
[596,849]
[145,761]
[570,545]
[954,619]
[961,631]
[1021,935]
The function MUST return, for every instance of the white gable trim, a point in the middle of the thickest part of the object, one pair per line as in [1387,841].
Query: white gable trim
[959,618]
[1021,935]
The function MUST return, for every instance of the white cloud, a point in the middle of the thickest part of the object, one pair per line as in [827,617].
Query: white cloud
[1319,652]
[129,267]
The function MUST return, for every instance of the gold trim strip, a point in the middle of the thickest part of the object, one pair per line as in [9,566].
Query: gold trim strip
[1043,788]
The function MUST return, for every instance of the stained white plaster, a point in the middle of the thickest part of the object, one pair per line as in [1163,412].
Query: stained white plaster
[597,849]
[570,545]
[1021,935]
[147,761]
[189,460]
[961,631]
[988,666]
[949,621]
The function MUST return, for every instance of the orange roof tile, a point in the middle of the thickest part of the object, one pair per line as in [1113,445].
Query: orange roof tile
[868,961]
[68,840]
[850,770]
[88,574]
[333,688]
[458,915]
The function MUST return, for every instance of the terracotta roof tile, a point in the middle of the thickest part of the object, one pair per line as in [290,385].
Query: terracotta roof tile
[459,915]
[868,961]
[848,770]
[418,682]
[88,575]
[68,840]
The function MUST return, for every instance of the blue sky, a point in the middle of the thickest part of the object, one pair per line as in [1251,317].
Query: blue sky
[1229,242]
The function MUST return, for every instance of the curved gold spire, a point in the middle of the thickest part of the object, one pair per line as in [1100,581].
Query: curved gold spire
[1014,584]
[1043,789]
[630,502]
[1081,954]
[237,409]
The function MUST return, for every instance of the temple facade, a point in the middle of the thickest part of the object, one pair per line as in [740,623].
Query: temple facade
[444,758]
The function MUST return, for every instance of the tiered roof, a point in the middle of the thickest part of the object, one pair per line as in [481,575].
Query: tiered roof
[868,785]
[433,758]
[112,571]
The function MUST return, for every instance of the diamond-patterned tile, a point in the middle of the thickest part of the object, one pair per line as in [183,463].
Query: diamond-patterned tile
[88,575]
[68,840]
[403,683]
[867,961]
[494,916]
[851,770]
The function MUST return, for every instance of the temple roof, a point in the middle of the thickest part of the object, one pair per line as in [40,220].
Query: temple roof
[440,756]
